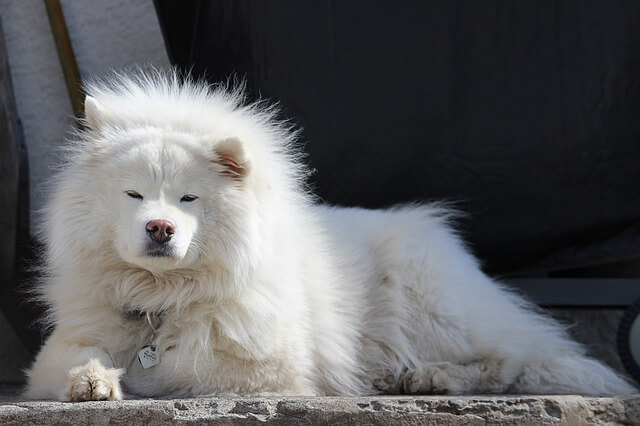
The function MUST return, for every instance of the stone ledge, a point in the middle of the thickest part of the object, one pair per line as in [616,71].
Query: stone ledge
[423,410]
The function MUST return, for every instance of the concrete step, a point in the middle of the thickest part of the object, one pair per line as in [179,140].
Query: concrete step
[422,410]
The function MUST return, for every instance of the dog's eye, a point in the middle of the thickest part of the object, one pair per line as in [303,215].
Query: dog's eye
[188,198]
[133,194]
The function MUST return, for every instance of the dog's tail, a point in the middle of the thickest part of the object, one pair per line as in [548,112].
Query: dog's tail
[572,374]
[548,360]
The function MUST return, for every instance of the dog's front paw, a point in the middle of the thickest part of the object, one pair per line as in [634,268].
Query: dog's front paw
[94,382]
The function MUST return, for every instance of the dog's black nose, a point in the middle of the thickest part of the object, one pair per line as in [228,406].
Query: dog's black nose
[160,230]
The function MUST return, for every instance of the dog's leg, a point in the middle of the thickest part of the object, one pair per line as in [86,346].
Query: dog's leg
[71,371]
[482,376]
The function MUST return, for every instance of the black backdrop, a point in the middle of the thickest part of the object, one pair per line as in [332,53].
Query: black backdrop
[525,112]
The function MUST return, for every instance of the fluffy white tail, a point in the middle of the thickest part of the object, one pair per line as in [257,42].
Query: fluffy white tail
[572,374]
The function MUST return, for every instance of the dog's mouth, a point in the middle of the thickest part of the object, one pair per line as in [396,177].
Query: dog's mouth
[159,250]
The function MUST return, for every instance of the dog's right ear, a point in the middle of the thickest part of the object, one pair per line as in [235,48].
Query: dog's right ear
[94,113]
[231,154]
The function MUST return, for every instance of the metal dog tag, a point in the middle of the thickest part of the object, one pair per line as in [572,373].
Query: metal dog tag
[148,357]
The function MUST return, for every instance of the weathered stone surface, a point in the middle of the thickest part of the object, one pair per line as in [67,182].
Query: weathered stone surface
[423,410]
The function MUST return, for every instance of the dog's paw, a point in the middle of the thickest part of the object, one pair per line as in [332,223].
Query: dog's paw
[94,382]
[437,378]
[389,384]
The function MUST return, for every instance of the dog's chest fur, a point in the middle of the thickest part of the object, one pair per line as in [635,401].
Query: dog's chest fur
[210,352]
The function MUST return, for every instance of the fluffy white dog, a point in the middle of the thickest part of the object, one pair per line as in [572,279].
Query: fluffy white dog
[185,257]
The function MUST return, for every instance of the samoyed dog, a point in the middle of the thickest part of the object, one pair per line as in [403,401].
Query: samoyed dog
[185,257]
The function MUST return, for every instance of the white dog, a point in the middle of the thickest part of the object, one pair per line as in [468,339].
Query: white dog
[185,257]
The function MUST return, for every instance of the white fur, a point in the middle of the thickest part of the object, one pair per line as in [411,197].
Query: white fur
[264,292]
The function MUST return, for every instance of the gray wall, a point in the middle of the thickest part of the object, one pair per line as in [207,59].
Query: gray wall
[105,35]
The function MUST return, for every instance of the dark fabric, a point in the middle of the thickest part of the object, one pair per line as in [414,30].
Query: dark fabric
[525,112]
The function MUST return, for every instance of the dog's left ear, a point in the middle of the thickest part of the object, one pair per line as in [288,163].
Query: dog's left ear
[231,154]
[94,113]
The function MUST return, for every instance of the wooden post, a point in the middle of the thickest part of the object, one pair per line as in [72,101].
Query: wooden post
[65,54]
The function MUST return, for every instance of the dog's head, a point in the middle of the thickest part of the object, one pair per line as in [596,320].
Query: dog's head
[164,197]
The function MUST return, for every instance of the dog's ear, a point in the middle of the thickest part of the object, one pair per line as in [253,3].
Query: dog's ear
[230,153]
[94,113]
